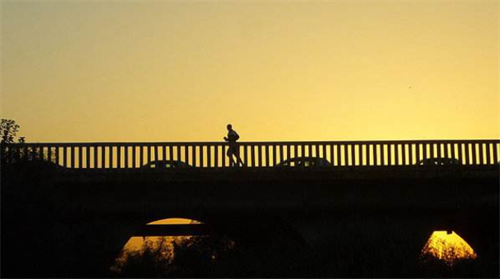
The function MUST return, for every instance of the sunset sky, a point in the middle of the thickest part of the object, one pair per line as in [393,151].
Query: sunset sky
[83,71]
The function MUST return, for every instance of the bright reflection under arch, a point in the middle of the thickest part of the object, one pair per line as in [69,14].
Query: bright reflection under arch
[175,221]
[448,247]
[136,242]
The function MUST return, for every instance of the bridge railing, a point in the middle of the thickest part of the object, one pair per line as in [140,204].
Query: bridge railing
[253,154]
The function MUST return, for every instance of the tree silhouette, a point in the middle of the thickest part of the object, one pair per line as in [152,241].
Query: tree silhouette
[8,130]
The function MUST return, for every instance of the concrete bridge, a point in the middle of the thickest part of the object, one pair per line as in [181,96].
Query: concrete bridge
[87,206]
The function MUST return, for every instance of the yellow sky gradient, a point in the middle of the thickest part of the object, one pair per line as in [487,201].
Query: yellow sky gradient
[180,71]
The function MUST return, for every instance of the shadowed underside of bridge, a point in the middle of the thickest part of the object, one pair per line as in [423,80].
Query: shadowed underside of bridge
[96,211]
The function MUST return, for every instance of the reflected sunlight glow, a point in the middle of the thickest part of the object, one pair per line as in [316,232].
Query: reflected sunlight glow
[136,243]
[448,247]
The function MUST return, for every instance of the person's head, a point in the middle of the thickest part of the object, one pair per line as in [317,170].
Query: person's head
[229,127]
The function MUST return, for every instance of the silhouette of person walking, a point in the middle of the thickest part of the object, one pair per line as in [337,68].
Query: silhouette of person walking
[233,150]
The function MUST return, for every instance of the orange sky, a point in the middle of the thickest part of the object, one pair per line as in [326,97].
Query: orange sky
[180,71]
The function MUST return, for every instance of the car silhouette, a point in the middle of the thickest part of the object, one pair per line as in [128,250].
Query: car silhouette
[439,162]
[166,164]
[304,162]
[36,164]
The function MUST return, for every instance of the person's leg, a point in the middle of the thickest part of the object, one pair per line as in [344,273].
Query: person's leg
[234,153]
[229,154]
[240,162]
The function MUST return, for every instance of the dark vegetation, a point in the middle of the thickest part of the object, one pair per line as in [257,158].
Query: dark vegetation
[254,255]
[213,256]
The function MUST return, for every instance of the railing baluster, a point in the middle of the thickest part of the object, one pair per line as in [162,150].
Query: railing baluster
[288,152]
[200,149]
[367,149]
[332,158]
[281,153]
[170,151]
[179,153]
[353,156]
[72,148]
[103,156]
[266,155]
[134,156]
[295,150]
[125,156]
[495,152]
[32,153]
[452,150]
[65,155]
[323,151]
[396,154]
[253,155]
[389,154]
[410,154]
[426,150]
[460,148]
[111,151]
[401,161]
[156,152]
[416,157]
[227,161]
[488,153]
[148,148]
[481,155]
[19,151]
[186,154]
[193,155]
[382,154]
[360,154]
[95,157]
[49,153]
[467,154]
[216,156]
[80,156]
[343,152]
[209,155]
[245,155]
[87,156]
[141,155]
[41,154]
[56,151]
[474,162]
[446,152]
[337,149]
[25,154]
[259,153]
[118,157]
[274,155]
